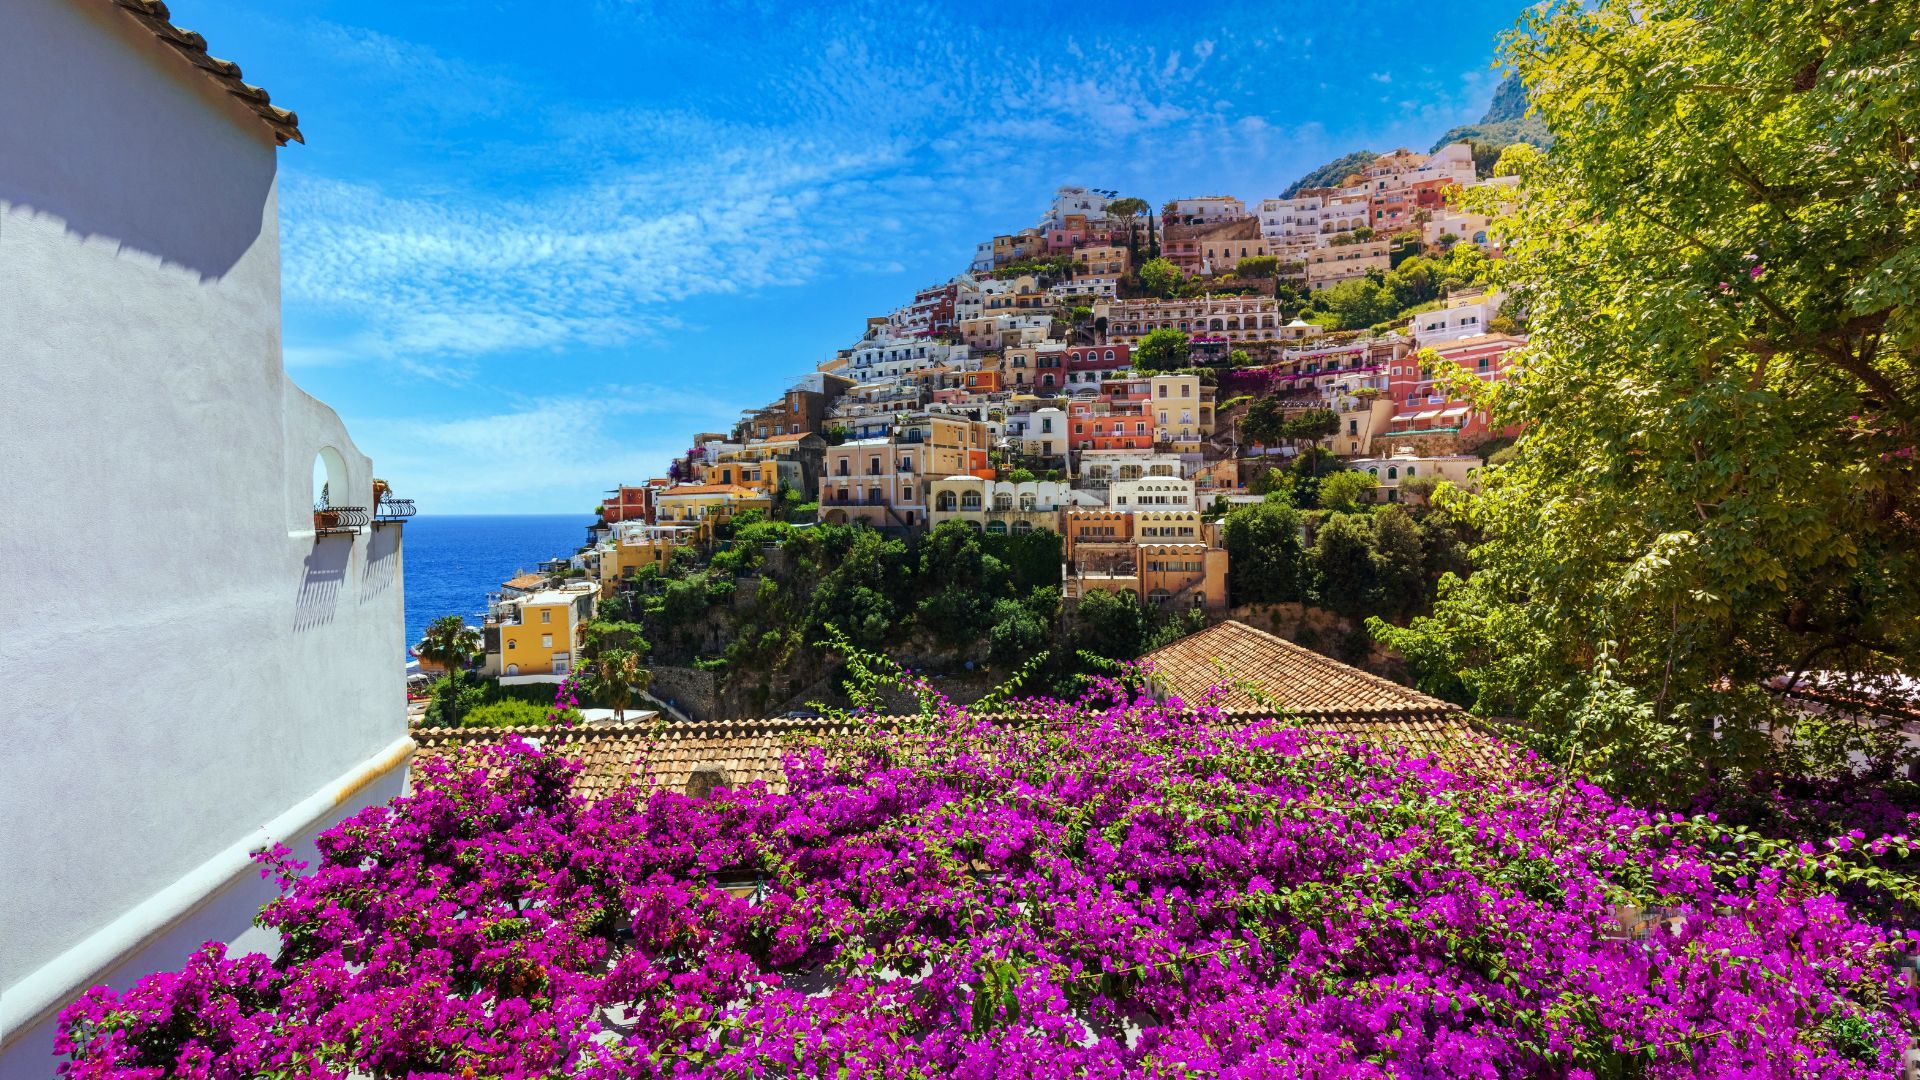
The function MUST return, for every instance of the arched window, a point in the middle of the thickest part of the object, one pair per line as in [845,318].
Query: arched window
[1022,527]
[970,501]
[944,502]
[1026,500]
[1393,472]
[996,528]
[1002,500]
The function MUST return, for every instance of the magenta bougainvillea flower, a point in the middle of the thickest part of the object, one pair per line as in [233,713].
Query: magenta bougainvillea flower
[1115,888]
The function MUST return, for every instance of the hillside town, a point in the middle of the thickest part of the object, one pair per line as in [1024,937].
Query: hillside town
[1232,639]
[1113,376]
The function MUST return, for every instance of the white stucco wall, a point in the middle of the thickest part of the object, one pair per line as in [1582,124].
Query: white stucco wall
[186,663]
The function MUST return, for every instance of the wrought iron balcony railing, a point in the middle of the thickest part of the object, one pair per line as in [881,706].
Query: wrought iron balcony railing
[393,510]
[331,520]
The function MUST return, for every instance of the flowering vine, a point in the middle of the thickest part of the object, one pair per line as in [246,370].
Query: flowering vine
[1112,887]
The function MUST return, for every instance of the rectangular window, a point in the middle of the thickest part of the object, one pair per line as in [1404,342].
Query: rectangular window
[546,641]
[546,615]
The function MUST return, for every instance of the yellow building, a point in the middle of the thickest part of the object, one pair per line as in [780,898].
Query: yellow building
[760,476]
[1182,411]
[539,633]
[635,545]
[691,504]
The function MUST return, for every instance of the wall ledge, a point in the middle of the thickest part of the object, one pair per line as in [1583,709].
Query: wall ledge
[44,991]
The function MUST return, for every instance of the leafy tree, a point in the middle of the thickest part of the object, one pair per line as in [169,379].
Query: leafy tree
[835,434]
[1175,625]
[1399,561]
[1020,475]
[1265,562]
[966,579]
[1112,624]
[1359,303]
[1256,266]
[865,570]
[1268,481]
[1032,559]
[1347,491]
[1484,155]
[1343,564]
[1161,350]
[1018,631]
[1722,390]
[1311,426]
[1418,489]
[453,696]
[449,642]
[1159,276]
[1265,421]
[1239,358]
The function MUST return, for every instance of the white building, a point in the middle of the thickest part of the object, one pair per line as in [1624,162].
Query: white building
[1152,493]
[1043,432]
[1464,315]
[1066,200]
[886,359]
[1461,470]
[1099,469]
[1208,209]
[232,677]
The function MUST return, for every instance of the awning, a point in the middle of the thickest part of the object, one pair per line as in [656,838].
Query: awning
[1428,415]
[1457,410]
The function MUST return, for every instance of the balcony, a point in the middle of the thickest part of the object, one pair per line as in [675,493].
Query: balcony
[335,520]
[393,511]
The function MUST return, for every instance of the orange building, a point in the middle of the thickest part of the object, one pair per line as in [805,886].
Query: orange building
[1166,558]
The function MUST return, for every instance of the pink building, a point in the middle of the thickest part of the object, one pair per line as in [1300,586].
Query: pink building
[1424,402]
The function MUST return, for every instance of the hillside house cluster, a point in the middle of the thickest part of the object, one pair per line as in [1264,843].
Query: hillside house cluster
[926,417]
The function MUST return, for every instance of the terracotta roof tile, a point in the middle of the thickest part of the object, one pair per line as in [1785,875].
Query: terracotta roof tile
[153,15]
[525,581]
[734,753]
[1259,674]
[1260,671]
[614,755]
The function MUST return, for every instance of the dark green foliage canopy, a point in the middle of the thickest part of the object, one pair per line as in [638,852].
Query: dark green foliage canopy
[1719,260]
[1330,174]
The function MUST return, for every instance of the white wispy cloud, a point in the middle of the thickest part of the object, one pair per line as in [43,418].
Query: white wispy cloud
[673,203]
[505,460]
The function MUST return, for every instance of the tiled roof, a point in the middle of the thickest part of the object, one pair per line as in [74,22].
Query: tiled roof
[734,753]
[153,15]
[527,582]
[1259,671]
[740,751]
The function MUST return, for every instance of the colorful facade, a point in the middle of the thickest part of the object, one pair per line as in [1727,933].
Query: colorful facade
[537,634]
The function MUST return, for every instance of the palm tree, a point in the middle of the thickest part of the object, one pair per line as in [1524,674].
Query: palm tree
[449,642]
[619,673]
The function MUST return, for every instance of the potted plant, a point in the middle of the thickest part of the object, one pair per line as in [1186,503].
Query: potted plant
[324,518]
[380,489]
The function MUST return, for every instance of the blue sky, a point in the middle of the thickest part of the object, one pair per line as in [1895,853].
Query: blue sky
[529,248]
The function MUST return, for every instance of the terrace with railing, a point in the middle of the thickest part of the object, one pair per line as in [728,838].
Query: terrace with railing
[338,520]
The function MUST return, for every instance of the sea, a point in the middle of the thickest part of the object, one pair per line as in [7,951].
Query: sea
[454,560]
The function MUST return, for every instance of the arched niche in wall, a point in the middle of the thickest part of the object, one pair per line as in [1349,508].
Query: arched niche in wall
[330,479]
